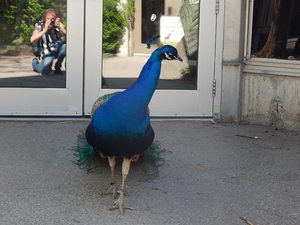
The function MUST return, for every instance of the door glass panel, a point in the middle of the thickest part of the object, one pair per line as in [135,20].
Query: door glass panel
[129,24]
[19,20]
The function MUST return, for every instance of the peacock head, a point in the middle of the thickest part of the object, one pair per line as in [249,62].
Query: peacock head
[170,53]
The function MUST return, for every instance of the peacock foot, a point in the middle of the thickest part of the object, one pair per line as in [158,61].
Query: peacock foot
[119,204]
[111,190]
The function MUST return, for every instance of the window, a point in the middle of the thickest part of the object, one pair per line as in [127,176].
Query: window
[276,29]
[18,19]
[175,22]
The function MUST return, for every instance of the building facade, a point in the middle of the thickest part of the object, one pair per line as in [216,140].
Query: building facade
[241,62]
[259,89]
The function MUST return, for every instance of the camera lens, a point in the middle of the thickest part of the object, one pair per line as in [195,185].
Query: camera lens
[52,22]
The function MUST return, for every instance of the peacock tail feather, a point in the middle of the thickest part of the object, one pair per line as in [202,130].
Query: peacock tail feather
[153,153]
[83,152]
[152,159]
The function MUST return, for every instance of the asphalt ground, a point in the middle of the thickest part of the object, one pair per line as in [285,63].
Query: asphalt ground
[209,174]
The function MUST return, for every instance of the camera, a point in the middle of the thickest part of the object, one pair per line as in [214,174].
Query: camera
[52,23]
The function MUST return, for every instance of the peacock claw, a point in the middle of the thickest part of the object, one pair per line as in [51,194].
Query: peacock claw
[111,190]
[119,204]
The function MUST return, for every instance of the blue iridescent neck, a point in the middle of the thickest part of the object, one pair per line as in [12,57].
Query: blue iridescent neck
[148,79]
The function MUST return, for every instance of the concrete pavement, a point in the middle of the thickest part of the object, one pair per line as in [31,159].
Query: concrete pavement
[212,174]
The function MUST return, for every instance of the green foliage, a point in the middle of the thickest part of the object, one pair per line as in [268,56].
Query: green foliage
[128,14]
[8,21]
[188,73]
[116,17]
[17,18]
[113,26]
[30,16]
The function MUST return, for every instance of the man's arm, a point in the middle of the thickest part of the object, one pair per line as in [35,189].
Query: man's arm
[60,25]
[38,33]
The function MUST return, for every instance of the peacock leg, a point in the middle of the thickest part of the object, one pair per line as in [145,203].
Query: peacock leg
[113,185]
[119,204]
[135,158]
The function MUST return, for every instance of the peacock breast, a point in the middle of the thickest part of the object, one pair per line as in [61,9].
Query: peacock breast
[112,122]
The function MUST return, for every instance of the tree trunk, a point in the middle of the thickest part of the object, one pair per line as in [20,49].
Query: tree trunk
[275,46]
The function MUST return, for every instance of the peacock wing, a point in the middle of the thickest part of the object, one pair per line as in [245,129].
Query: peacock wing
[101,100]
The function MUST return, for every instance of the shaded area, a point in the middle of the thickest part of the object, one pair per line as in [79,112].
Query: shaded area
[16,71]
[33,81]
[123,83]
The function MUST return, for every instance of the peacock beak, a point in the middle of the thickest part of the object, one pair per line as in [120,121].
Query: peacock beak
[179,58]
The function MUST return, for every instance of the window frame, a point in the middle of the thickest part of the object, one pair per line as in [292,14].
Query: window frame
[266,66]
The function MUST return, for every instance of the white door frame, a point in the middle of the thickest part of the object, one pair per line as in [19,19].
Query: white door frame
[54,101]
[165,103]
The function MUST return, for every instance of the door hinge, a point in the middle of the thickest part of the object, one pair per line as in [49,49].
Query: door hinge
[214,87]
[217,7]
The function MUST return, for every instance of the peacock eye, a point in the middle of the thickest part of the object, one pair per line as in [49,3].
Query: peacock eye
[168,56]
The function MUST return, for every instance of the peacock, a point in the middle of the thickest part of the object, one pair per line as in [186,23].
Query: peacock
[120,125]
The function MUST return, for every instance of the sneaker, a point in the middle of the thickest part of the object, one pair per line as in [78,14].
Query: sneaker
[58,70]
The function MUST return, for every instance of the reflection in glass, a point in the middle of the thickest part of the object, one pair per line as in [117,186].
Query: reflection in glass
[276,29]
[18,22]
[129,24]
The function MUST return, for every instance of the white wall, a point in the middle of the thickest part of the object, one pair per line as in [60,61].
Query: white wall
[234,15]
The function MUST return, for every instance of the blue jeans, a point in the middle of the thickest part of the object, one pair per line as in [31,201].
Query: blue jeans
[44,67]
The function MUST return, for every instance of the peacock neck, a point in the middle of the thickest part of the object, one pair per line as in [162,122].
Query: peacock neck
[148,79]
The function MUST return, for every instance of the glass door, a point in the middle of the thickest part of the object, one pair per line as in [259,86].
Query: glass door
[48,81]
[117,33]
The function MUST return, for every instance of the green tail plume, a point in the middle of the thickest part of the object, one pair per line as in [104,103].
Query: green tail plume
[153,153]
[151,160]
[84,153]
[86,157]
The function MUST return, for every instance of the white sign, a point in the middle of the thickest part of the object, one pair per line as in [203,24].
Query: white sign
[193,2]
[171,29]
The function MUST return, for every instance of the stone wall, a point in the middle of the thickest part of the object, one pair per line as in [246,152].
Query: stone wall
[271,100]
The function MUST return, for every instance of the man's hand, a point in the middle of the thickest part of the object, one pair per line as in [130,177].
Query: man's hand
[48,25]
[60,25]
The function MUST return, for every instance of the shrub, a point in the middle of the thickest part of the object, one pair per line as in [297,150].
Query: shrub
[17,18]
[113,26]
